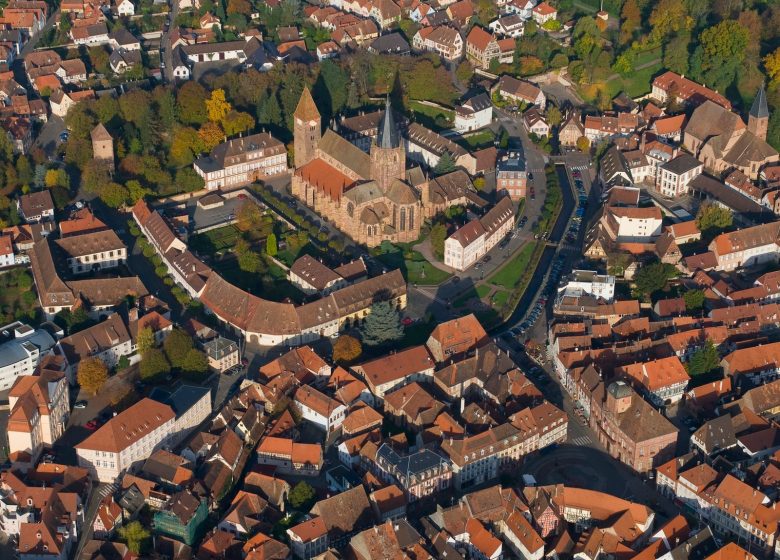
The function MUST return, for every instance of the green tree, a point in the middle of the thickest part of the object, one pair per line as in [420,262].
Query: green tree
[383,325]
[302,495]
[190,103]
[332,85]
[271,247]
[136,536]
[237,122]
[114,195]
[153,364]
[554,116]
[145,340]
[653,277]
[722,50]
[446,164]
[704,360]
[176,346]
[195,361]
[676,53]
[438,236]
[694,300]
[188,180]
[712,219]
[346,349]
[269,111]
[249,261]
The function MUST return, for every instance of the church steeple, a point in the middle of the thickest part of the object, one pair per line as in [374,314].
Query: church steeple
[388,155]
[758,118]
[306,129]
[388,131]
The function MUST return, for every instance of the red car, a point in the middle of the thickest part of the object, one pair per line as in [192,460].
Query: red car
[92,425]
[406,321]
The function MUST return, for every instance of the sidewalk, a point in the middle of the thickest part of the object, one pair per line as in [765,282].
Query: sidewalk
[426,251]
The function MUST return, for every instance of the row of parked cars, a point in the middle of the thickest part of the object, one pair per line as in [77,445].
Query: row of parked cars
[549,291]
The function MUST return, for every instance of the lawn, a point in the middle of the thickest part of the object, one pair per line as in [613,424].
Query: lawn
[509,275]
[500,297]
[482,139]
[215,240]
[415,268]
[435,118]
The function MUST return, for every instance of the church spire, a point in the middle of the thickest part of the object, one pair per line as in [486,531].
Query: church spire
[388,132]
[306,109]
[760,109]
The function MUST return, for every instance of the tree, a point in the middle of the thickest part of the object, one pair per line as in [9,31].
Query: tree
[136,536]
[217,107]
[694,300]
[704,360]
[195,361]
[271,247]
[446,164]
[383,325]
[668,16]
[248,216]
[176,345]
[721,51]
[153,364]
[583,144]
[653,277]
[772,65]
[346,349]
[237,122]
[676,53]
[211,135]
[56,178]
[631,20]
[438,236]
[554,116]
[114,195]
[713,219]
[249,261]
[136,191]
[145,340]
[190,103]
[302,494]
[185,145]
[188,180]
[92,374]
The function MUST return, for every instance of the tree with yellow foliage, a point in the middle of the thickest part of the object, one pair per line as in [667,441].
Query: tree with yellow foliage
[92,374]
[217,107]
[772,65]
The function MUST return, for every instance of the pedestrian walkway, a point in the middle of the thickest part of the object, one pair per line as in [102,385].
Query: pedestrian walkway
[582,440]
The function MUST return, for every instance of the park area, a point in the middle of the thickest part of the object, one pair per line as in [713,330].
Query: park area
[495,298]
[415,268]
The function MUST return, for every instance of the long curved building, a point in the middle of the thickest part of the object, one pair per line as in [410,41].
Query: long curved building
[260,321]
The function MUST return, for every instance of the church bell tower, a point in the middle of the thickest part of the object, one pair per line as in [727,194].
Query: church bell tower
[306,129]
[388,156]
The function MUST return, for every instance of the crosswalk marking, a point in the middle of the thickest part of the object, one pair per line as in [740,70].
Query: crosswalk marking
[582,440]
[106,490]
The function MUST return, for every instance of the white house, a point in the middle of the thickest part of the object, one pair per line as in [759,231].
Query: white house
[470,242]
[125,8]
[126,439]
[474,114]
[589,282]
[676,175]
[544,12]
[22,351]
[319,409]
[508,26]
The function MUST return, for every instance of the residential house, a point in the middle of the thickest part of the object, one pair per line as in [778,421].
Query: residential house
[470,242]
[443,40]
[482,48]
[675,176]
[474,113]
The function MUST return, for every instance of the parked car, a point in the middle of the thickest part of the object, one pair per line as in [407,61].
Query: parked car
[80,404]
[92,425]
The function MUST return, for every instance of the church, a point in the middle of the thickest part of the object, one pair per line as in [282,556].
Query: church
[369,196]
[720,139]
